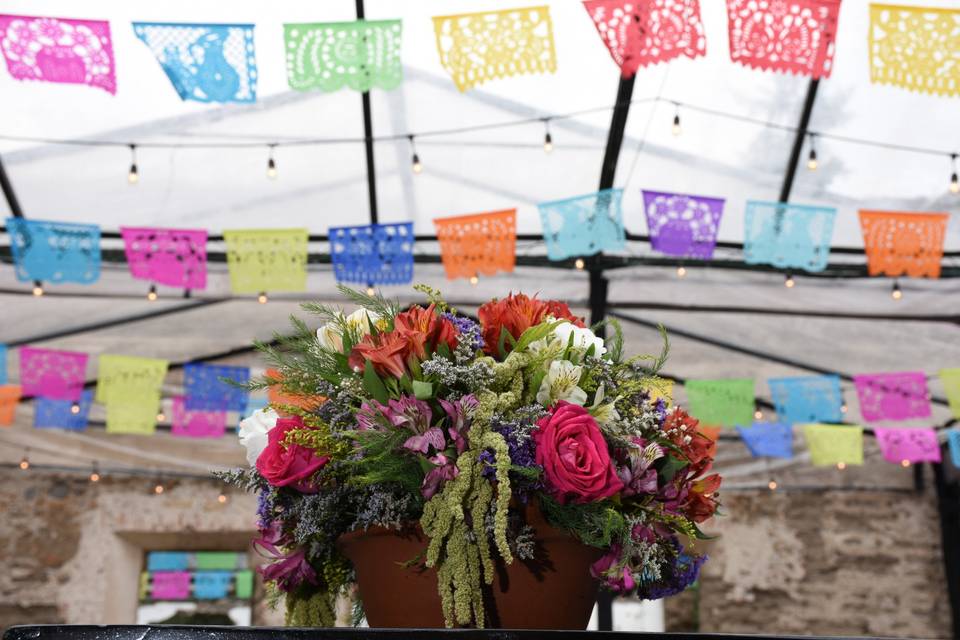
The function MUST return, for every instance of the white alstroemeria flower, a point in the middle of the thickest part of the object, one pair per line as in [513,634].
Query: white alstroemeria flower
[548,348]
[604,414]
[254,430]
[560,383]
[582,338]
[329,335]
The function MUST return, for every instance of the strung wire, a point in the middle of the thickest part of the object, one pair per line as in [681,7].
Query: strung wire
[482,127]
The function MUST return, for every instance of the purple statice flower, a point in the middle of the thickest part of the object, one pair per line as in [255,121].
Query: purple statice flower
[523,453]
[488,460]
[266,508]
[682,572]
[467,330]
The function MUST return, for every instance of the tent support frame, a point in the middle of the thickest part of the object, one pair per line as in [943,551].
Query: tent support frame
[9,193]
[368,141]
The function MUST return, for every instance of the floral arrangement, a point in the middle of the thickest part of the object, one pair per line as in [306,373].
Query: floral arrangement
[398,418]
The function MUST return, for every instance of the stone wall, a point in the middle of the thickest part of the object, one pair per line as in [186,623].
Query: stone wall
[822,563]
[803,562]
[71,550]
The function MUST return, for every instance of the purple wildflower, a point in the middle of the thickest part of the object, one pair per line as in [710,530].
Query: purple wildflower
[289,568]
[467,329]
[675,577]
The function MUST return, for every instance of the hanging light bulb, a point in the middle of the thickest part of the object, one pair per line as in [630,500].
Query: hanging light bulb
[152,294]
[681,271]
[262,298]
[37,288]
[222,498]
[954,180]
[789,282]
[772,485]
[75,408]
[474,280]
[95,473]
[579,264]
[161,416]
[676,130]
[24,462]
[896,292]
[758,415]
[133,176]
[415,159]
[812,158]
[158,488]
[370,290]
[547,138]
[841,466]
[271,163]
[904,463]
[844,408]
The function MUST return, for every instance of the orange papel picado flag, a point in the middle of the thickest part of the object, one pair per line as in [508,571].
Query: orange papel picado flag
[899,243]
[481,243]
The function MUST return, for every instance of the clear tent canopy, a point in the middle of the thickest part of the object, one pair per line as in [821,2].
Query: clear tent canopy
[318,185]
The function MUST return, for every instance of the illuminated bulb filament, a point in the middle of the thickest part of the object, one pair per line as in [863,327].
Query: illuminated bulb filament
[789,281]
[262,298]
[158,489]
[222,498]
[579,264]
[37,288]
[75,408]
[417,167]
[758,415]
[896,293]
[272,168]
[161,417]
[681,272]
[954,183]
[812,160]
[474,280]
[904,463]
[371,291]
[152,294]
[547,142]
[24,463]
[772,485]
[94,477]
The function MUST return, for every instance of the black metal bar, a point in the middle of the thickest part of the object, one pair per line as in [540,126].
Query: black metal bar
[368,141]
[794,160]
[747,351]
[948,504]
[115,322]
[9,193]
[598,284]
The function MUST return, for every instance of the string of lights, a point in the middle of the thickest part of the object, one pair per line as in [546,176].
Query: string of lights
[813,161]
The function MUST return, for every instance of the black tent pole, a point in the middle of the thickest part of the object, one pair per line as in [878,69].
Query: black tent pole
[9,193]
[794,159]
[368,141]
[948,503]
[598,284]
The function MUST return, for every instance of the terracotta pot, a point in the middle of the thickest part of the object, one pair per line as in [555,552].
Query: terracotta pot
[555,591]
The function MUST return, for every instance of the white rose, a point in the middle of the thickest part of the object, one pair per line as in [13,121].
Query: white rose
[253,433]
[329,335]
[582,338]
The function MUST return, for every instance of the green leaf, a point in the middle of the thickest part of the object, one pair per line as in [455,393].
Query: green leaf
[373,384]
[405,384]
[422,390]
[670,468]
[537,332]
[502,343]
[444,351]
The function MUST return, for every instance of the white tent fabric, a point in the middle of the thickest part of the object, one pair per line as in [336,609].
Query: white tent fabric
[319,186]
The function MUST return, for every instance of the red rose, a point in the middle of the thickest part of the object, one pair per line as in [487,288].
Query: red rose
[386,351]
[574,456]
[289,465]
[424,330]
[516,314]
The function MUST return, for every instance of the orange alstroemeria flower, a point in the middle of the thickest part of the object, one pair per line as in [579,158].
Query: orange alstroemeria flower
[424,330]
[386,351]
[516,314]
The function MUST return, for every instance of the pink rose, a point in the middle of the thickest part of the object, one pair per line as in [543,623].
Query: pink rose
[289,465]
[574,456]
